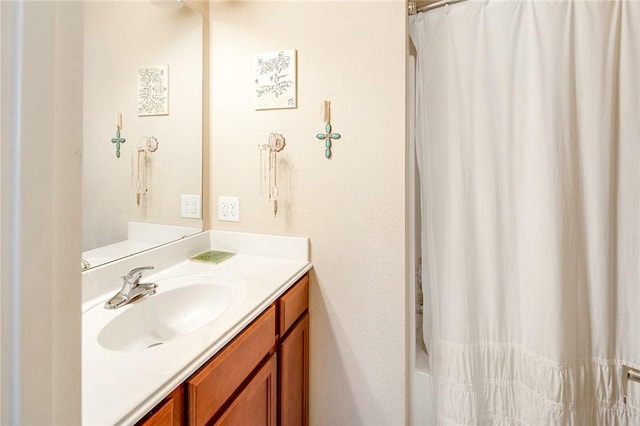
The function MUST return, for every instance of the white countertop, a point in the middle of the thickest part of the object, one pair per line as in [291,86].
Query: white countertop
[140,237]
[121,387]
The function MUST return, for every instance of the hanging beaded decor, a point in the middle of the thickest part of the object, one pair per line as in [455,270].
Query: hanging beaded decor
[269,167]
[328,137]
[118,139]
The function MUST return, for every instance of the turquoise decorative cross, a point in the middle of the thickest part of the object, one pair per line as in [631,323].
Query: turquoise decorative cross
[118,140]
[328,138]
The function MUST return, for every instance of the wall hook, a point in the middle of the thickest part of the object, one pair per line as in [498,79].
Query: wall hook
[270,164]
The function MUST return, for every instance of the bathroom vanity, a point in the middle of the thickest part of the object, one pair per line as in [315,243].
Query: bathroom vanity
[239,385]
[167,360]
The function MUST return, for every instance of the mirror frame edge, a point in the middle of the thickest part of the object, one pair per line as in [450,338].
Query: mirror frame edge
[203,7]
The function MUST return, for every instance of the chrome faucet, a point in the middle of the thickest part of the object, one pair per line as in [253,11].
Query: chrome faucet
[132,289]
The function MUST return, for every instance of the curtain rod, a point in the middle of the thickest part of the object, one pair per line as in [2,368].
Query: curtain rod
[413,9]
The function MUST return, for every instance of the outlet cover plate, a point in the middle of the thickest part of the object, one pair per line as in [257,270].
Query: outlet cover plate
[229,209]
[190,206]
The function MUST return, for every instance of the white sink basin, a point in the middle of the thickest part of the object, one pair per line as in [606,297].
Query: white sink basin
[154,320]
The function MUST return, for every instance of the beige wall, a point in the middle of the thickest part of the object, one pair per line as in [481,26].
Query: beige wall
[120,38]
[352,206]
[1,235]
[41,119]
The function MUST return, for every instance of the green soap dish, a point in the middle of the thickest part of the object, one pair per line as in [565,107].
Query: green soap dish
[213,256]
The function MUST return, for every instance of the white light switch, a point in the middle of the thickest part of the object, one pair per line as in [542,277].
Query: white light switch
[190,206]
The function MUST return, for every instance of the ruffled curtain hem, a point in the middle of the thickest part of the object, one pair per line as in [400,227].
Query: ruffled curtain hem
[508,384]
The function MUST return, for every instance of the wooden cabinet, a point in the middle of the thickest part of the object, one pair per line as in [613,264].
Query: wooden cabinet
[293,353]
[256,404]
[215,383]
[293,304]
[163,416]
[260,378]
[294,375]
[170,412]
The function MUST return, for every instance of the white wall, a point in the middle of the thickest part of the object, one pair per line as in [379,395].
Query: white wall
[41,165]
[120,38]
[351,206]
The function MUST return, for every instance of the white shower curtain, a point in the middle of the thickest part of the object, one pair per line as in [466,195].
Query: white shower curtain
[528,144]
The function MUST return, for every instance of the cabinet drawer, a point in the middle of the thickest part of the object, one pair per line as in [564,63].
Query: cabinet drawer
[293,303]
[217,381]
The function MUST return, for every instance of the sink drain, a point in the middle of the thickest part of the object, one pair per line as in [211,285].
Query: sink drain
[154,344]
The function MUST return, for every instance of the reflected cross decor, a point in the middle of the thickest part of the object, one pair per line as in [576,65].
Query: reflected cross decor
[118,139]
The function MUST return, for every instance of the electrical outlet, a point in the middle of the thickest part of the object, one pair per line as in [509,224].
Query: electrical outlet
[229,209]
[190,206]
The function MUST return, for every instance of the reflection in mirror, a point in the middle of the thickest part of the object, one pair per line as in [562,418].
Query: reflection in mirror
[142,88]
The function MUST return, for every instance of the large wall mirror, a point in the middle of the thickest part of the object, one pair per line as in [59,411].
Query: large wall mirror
[143,126]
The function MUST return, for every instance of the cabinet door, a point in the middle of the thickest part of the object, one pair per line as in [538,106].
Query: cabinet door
[162,417]
[169,412]
[215,383]
[294,375]
[256,404]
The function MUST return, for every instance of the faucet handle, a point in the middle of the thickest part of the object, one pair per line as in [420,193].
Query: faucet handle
[136,273]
